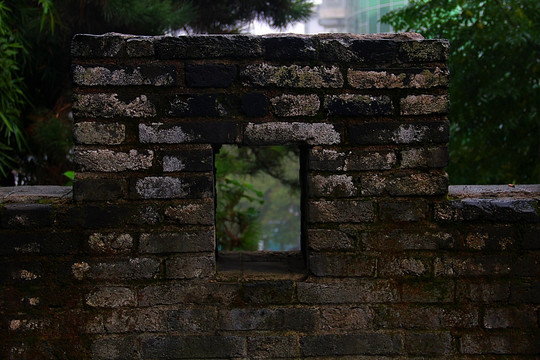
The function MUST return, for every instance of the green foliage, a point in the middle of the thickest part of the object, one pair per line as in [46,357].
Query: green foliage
[495,87]
[257,197]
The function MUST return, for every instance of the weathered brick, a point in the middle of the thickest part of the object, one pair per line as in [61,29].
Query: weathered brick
[397,211]
[182,241]
[428,78]
[272,347]
[115,348]
[127,321]
[409,316]
[109,105]
[346,318]
[196,159]
[481,290]
[424,51]
[110,243]
[129,269]
[428,291]
[341,265]
[167,187]
[347,291]
[405,239]
[104,160]
[106,45]
[208,47]
[351,344]
[478,265]
[396,133]
[428,344]
[196,132]
[192,347]
[192,321]
[196,105]
[425,157]
[392,266]
[418,184]
[424,104]
[286,133]
[189,293]
[355,105]
[327,239]
[353,160]
[509,343]
[293,76]
[110,297]
[27,215]
[201,213]
[140,46]
[99,133]
[295,105]
[525,291]
[359,49]
[190,266]
[268,292]
[154,75]
[334,186]
[510,317]
[340,211]
[210,75]
[277,319]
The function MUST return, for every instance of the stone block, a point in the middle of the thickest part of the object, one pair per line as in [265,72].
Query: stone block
[424,51]
[396,265]
[110,243]
[341,265]
[91,133]
[398,211]
[428,343]
[190,266]
[177,242]
[358,105]
[197,213]
[140,46]
[424,104]
[332,186]
[328,239]
[108,45]
[365,51]
[192,321]
[289,47]
[168,187]
[111,105]
[324,159]
[208,47]
[272,347]
[110,297]
[396,133]
[207,132]
[292,76]
[153,75]
[432,157]
[193,347]
[104,160]
[273,133]
[340,211]
[255,104]
[421,184]
[347,291]
[210,75]
[193,159]
[275,319]
[295,105]
[351,344]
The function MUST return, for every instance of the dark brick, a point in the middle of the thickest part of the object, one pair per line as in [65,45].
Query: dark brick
[255,104]
[128,321]
[510,317]
[395,265]
[327,239]
[396,133]
[344,265]
[405,239]
[428,291]
[190,266]
[191,347]
[169,187]
[509,343]
[531,238]
[364,51]
[503,210]
[483,291]
[182,241]
[346,318]
[107,45]
[355,105]
[98,216]
[130,269]
[341,211]
[268,292]
[208,46]
[409,316]
[289,47]
[27,215]
[425,157]
[196,105]
[189,293]
[210,75]
[403,211]
[99,189]
[193,212]
[347,291]
[272,347]
[358,344]
[428,344]
[115,348]
[526,291]
[196,159]
[189,321]
[105,75]
[276,319]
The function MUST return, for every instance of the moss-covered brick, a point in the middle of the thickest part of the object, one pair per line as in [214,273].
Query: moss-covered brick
[292,76]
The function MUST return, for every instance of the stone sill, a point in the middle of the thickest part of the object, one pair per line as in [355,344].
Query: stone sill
[494,191]
[260,265]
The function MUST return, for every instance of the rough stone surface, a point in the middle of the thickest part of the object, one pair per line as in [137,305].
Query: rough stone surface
[109,105]
[116,76]
[392,133]
[97,133]
[296,105]
[293,76]
[340,211]
[424,104]
[287,133]
[161,133]
[353,160]
[354,105]
[113,161]
[110,297]
[426,79]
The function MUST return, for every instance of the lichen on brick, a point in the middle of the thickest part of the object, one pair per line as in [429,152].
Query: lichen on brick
[286,133]
[296,105]
[112,161]
[292,76]
[108,106]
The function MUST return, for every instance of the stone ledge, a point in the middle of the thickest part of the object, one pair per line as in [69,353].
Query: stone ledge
[494,191]
[35,194]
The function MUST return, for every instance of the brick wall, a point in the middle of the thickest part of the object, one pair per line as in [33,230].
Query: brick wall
[392,265]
